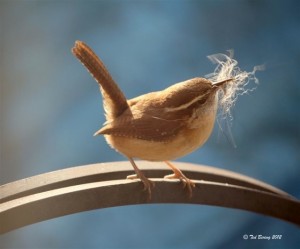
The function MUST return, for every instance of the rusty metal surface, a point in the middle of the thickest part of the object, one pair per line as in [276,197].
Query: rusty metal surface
[103,185]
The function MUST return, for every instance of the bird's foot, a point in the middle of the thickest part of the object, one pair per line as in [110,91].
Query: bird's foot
[148,185]
[187,183]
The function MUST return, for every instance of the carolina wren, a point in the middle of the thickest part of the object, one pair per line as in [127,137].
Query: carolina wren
[157,126]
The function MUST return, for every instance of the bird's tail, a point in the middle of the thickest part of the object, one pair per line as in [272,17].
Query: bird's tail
[114,100]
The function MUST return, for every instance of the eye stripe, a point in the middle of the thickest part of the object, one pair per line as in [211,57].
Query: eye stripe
[186,105]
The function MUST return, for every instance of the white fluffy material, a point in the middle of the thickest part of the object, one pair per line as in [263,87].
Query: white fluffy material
[227,68]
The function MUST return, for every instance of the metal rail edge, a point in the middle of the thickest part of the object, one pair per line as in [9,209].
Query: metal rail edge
[72,190]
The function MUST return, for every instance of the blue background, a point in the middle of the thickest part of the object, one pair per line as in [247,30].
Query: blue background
[50,107]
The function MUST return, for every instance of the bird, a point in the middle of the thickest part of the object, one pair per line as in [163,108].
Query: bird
[157,126]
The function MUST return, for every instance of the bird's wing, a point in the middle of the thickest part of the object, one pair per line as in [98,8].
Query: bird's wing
[146,127]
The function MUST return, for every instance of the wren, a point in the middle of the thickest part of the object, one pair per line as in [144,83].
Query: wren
[157,126]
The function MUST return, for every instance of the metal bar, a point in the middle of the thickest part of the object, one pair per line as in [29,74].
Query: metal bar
[56,201]
[119,170]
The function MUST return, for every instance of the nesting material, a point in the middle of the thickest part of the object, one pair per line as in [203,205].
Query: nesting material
[228,68]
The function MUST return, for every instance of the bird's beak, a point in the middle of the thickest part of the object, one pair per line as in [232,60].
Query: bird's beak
[220,83]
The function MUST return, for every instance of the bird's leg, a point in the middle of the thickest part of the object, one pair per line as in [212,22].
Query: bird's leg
[179,175]
[139,174]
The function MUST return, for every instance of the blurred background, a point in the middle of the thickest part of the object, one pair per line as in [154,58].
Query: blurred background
[51,106]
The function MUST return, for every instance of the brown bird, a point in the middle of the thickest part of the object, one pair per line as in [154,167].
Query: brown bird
[157,126]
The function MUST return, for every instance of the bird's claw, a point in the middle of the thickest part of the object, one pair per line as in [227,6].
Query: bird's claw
[187,183]
[148,185]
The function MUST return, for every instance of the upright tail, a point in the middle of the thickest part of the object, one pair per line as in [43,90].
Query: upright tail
[115,102]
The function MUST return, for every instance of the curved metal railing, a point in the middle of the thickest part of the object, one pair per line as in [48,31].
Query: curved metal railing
[103,185]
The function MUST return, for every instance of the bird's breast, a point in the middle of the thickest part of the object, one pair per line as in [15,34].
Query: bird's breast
[194,135]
